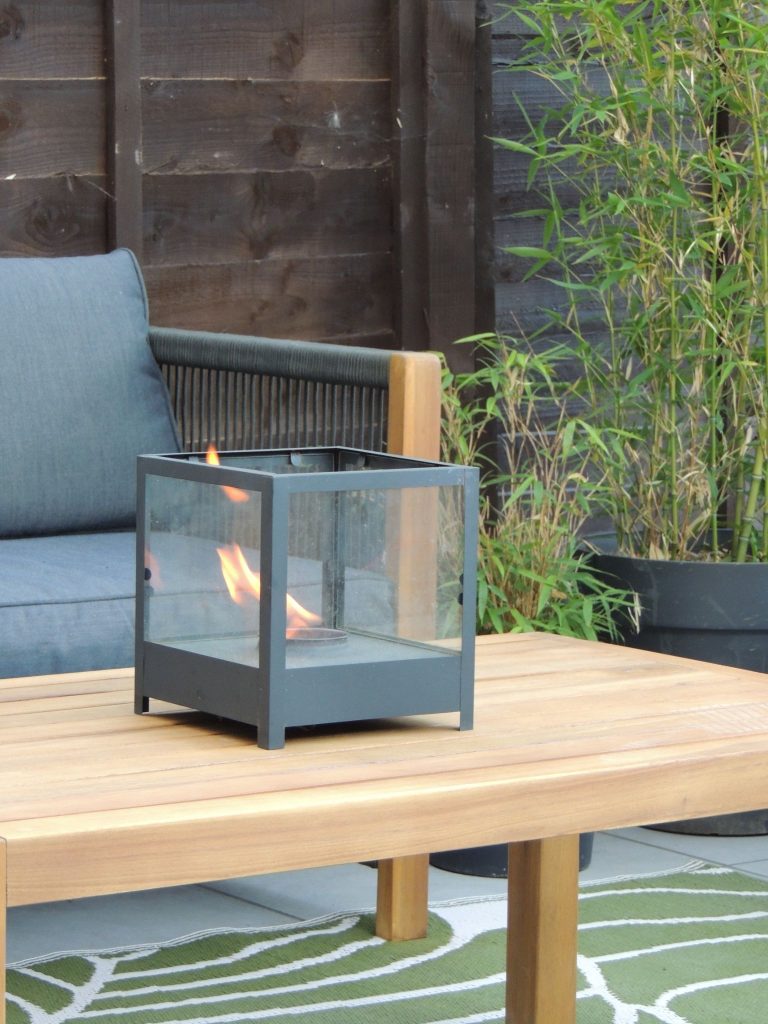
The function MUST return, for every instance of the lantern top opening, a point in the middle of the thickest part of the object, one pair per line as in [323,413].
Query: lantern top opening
[337,467]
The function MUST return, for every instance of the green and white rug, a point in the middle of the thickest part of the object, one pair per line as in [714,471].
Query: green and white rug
[683,948]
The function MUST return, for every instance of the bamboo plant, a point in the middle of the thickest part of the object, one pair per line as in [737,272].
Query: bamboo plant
[510,418]
[650,171]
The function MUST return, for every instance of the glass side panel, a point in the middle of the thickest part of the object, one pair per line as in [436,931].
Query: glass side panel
[202,558]
[382,567]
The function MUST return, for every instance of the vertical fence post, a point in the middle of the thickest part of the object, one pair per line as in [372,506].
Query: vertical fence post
[450,175]
[434,117]
[124,162]
[411,312]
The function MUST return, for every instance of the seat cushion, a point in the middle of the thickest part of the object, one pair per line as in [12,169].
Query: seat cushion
[67,603]
[80,393]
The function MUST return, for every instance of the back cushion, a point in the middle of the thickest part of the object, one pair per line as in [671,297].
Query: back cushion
[80,393]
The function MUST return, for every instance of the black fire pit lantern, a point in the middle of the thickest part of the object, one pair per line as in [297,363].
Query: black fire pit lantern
[300,587]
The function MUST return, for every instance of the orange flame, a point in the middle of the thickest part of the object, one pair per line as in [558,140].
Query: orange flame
[240,579]
[242,582]
[233,493]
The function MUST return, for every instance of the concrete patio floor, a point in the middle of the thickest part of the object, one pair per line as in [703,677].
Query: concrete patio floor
[132,918]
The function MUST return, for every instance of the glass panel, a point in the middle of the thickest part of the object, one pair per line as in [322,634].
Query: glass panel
[381,567]
[202,559]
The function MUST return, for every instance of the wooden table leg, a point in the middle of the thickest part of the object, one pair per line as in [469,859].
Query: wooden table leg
[542,931]
[3,914]
[401,898]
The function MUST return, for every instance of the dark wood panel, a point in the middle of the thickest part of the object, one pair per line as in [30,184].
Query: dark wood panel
[51,39]
[485,313]
[511,190]
[293,39]
[520,96]
[517,231]
[63,216]
[246,125]
[508,47]
[507,25]
[123,61]
[521,305]
[338,298]
[224,218]
[450,177]
[409,206]
[51,127]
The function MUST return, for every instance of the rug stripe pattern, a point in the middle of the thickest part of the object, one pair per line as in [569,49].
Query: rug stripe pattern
[683,948]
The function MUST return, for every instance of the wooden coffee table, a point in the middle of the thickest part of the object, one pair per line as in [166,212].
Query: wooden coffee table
[569,737]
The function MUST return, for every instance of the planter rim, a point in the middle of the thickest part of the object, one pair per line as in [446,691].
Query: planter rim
[604,545]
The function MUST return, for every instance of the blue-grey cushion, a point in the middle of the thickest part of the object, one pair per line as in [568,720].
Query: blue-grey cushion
[66,603]
[80,393]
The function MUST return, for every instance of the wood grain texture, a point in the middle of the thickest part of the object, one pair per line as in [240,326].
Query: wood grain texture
[409,206]
[295,39]
[542,919]
[402,898]
[219,125]
[122,20]
[569,737]
[60,216]
[37,139]
[229,135]
[414,429]
[345,298]
[485,299]
[523,305]
[229,218]
[51,39]
[450,175]
[414,405]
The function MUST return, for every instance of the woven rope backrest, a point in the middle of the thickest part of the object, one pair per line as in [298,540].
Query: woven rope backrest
[238,392]
[246,410]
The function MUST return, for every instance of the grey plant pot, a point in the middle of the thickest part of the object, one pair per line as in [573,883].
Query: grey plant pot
[710,611]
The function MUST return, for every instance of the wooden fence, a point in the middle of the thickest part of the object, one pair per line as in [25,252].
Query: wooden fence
[293,168]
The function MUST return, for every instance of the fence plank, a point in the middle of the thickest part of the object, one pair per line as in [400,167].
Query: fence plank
[51,39]
[192,126]
[338,298]
[226,218]
[313,40]
[51,127]
[61,216]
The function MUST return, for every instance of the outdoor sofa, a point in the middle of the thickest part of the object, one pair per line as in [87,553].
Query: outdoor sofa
[88,385]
